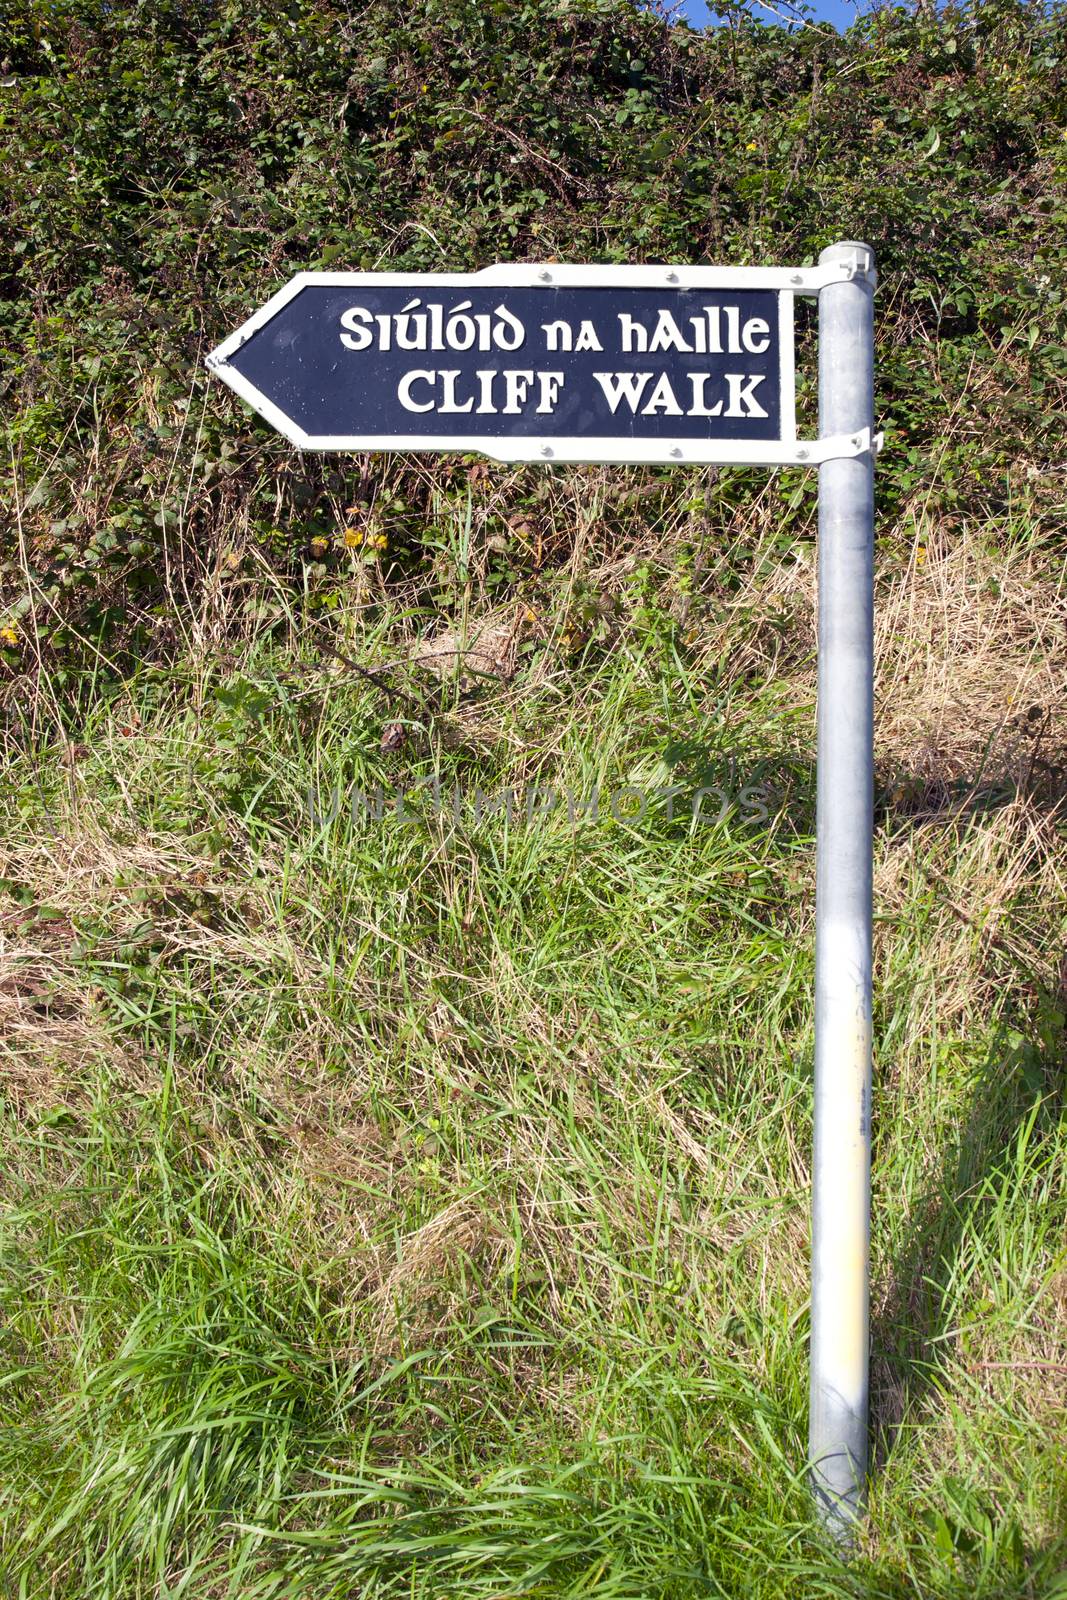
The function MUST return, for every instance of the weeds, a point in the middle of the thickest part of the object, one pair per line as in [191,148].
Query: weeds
[423,1208]
[420,1209]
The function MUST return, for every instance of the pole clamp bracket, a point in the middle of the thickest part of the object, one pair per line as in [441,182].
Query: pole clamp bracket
[854,268]
[837,447]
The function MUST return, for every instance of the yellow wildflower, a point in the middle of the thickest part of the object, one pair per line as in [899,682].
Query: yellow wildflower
[377,541]
[9,635]
[353,538]
[752,145]
[319,545]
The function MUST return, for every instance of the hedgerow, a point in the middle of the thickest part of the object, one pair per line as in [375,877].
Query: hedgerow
[167,164]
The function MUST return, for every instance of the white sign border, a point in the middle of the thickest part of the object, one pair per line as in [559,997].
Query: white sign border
[786,450]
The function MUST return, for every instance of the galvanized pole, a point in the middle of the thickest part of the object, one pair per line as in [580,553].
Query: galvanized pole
[837,1440]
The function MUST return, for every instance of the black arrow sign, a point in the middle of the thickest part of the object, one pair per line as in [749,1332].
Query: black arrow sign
[578,363]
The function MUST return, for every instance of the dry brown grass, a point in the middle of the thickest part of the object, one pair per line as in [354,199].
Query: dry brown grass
[971,671]
[989,894]
[971,658]
[52,1035]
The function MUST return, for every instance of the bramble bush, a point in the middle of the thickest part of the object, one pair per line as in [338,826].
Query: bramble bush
[167,165]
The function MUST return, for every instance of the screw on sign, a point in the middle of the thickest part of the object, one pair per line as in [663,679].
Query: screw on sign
[658,365]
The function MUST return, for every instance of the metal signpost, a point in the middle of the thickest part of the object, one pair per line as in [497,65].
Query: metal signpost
[663,366]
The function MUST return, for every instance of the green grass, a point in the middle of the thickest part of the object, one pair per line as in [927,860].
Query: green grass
[420,1209]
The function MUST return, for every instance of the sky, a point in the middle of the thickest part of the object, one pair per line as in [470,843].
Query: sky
[838,13]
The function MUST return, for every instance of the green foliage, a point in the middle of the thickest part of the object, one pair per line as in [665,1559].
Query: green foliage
[417,1209]
[166,165]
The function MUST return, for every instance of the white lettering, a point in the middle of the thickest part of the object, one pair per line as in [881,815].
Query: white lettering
[587,338]
[558,335]
[741,395]
[667,335]
[448,404]
[549,385]
[428,329]
[510,334]
[516,388]
[699,408]
[618,386]
[357,338]
[756,335]
[405,339]
[403,391]
[714,344]
[480,391]
[662,399]
[634,336]
[459,329]
[716,316]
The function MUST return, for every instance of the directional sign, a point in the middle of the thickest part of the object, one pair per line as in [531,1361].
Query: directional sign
[580,363]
